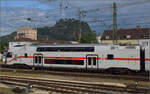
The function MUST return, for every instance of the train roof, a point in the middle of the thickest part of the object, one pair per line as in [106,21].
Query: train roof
[70,45]
[102,46]
[85,45]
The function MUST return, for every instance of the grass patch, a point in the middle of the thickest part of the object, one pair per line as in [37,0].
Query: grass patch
[1,62]
[4,90]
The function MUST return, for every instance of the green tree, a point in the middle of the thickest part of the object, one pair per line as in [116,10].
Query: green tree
[2,46]
[89,38]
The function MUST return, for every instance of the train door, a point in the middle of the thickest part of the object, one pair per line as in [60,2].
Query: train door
[142,59]
[92,61]
[38,60]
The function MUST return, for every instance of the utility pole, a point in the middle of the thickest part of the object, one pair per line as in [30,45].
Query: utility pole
[0,43]
[61,4]
[80,35]
[115,35]
[1,47]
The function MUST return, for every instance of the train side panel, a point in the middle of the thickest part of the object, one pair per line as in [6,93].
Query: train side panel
[120,58]
[23,55]
[147,58]
[106,57]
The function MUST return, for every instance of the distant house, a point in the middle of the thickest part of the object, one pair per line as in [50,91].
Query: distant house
[26,33]
[130,36]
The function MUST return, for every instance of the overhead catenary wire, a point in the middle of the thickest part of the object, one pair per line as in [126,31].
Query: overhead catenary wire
[69,7]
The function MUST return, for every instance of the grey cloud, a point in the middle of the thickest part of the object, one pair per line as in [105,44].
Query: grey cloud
[14,18]
[127,8]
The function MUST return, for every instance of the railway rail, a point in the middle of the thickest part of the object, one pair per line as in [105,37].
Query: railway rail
[70,87]
[79,74]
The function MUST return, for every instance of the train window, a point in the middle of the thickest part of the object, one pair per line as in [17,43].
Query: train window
[18,45]
[89,60]
[36,59]
[25,55]
[9,55]
[66,62]
[39,57]
[66,49]
[110,56]
[94,60]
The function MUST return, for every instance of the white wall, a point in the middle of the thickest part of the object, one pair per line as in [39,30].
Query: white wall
[144,42]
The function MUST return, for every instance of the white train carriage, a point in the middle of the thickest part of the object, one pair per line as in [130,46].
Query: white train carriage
[83,56]
[147,58]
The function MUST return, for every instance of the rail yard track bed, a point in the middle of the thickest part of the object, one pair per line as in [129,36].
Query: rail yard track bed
[107,81]
[135,77]
[5,89]
[66,86]
[8,88]
[81,74]
[71,82]
[77,76]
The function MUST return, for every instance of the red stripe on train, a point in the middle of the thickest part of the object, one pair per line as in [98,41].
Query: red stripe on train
[131,59]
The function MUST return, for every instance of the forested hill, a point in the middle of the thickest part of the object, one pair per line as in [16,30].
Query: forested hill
[64,29]
[68,29]
[7,38]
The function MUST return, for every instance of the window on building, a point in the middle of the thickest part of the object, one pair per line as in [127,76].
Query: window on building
[107,37]
[128,36]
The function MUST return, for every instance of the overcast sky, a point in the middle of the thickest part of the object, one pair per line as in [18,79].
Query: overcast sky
[130,13]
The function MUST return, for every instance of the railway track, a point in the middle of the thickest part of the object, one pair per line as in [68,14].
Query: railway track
[71,87]
[79,74]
